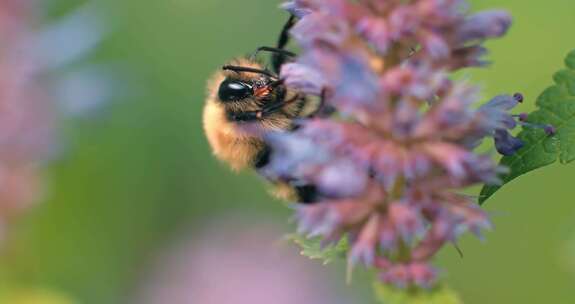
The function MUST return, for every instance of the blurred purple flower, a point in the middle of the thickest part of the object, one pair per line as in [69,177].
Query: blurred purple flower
[27,114]
[298,8]
[389,167]
[402,275]
[484,25]
[234,263]
[26,120]
[79,89]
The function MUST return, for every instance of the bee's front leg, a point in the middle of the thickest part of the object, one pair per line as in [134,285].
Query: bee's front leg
[249,116]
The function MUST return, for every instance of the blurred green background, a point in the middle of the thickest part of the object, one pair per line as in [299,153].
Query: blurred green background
[141,173]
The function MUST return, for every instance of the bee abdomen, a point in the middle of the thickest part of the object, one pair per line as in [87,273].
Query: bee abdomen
[307,194]
[300,192]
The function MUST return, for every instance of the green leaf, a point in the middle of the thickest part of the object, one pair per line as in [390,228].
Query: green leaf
[386,294]
[312,248]
[556,106]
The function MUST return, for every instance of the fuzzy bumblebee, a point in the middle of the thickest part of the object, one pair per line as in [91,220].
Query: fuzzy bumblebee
[244,101]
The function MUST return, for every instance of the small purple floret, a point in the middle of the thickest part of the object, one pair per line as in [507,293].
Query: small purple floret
[550,130]
[506,144]
[484,25]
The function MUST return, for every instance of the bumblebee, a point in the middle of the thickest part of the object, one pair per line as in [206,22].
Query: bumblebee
[244,101]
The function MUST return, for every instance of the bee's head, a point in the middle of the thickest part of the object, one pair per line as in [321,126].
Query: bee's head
[235,90]
[260,89]
[251,96]
[247,82]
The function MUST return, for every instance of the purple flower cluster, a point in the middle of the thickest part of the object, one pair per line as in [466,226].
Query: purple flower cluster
[388,165]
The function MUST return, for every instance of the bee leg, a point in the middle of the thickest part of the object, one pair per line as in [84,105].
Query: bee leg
[279,59]
[249,116]
[284,35]
[273,50]
[323,109]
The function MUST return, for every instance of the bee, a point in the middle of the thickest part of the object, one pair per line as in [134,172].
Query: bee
[244,101]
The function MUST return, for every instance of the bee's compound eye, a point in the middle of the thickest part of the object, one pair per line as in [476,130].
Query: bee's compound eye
[232,90]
